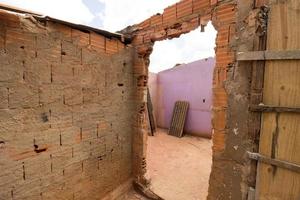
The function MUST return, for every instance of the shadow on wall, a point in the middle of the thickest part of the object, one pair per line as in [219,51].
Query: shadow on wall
[190,82]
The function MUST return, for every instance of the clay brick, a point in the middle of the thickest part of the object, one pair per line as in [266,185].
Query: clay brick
[223,36]
[219,119]
[111,46]
[200,5]
[121,45]
[60,75]
[80,38]
[10,74]
[23,39]
[156,20]
[226,14]
[220,75]
[138,39]
[205,19]
[259,3]
[224,57]
[184,8]
[191,25]
[142,50]
[147,38]
[218,138]
[48,48]
[90,94]
[3,97]
[97,42]
[23,96]
[52,93]
[219,97]
[145,24]
[213,2]
[158,34]
[169,14]
[64,31]
[8,19]
[70,53]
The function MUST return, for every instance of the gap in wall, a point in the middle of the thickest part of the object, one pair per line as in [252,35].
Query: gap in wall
[182,69]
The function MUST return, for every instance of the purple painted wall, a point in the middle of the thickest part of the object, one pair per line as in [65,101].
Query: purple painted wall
[189,82]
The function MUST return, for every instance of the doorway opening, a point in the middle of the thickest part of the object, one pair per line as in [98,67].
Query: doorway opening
[181,69]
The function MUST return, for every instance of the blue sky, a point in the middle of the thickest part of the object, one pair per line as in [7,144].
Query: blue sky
[114,15]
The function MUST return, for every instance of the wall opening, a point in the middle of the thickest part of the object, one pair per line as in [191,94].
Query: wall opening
[182,69]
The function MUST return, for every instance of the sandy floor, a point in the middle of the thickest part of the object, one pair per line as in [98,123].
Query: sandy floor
[179,168]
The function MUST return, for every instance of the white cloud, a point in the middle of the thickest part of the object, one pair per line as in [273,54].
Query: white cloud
[189,47]
[69,10]
[119,14]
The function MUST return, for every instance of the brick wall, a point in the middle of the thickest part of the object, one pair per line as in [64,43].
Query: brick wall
[229,177]
[66,108]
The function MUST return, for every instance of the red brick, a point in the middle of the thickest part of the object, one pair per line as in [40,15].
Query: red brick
[225,14]
[156,20]
[219,120]
[111,46]
[65,31]
[191,25]
[97,42]
[184,8]
[200,5]
[213,2]
[220,75]
[219,97]
[81,38]
[17,37]
[145,24]
[218,138]
[224,57]
[159,34]
[223,36]
[205,19]
[169,14]
[138,39]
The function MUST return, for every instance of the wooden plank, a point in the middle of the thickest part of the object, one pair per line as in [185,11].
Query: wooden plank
[278,109]
[178,118]
[269,55]
[150,113]
[275,162]
[280,136]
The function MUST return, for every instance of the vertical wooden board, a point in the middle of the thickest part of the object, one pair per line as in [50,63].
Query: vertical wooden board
[282,83]
[280,136]
[285,147]
[284,25]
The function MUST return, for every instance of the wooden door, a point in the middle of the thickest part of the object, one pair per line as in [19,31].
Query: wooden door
[280,131]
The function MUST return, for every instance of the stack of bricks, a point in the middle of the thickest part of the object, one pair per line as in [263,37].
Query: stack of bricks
[182,18]
[66,108]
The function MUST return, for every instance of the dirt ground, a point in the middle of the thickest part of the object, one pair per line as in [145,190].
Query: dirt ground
[179,168]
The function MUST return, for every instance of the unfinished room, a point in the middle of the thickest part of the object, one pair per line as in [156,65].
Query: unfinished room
[137,99]
[178,107]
